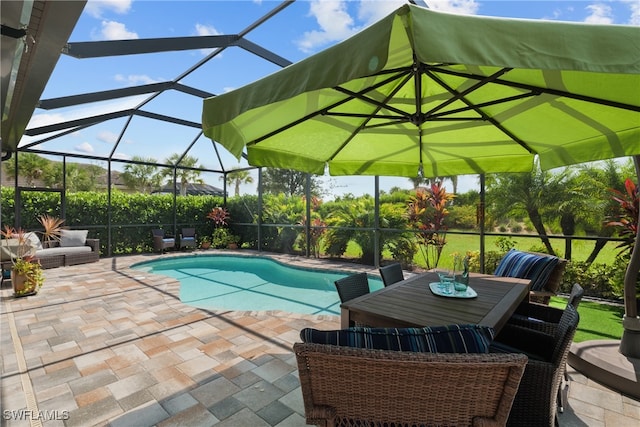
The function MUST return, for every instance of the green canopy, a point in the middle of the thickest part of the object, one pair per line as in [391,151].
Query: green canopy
[441,94]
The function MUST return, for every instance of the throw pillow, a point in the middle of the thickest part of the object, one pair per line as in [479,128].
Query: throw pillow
[33,241]
[523,265]
[73,238]
[434,339]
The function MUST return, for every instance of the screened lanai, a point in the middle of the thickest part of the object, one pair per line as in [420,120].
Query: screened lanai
[85,88]
[82,85]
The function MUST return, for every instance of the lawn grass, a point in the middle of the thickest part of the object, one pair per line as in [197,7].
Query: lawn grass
[461,243]
[598,321]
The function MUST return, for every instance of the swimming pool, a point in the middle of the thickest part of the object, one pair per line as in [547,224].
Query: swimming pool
[252,283]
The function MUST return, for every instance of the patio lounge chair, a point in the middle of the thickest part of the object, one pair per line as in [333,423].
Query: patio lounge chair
[188,238]
[391,273]
[536,403]
[160,242]
[346,386]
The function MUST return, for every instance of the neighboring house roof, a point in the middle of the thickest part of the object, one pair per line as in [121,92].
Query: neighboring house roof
[193,190]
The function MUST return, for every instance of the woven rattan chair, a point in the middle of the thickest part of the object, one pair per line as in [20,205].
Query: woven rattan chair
[160,242]
[550,289]
[542,317]
[188,238]
[352,286]
[545,319]
[344,386]
[391,273]
[536,403]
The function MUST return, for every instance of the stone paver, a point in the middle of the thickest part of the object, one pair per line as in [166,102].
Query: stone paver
[107,345]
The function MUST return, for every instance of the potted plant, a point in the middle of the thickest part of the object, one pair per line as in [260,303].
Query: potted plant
[52,227]
[26,272]
[205,242]
[220,238]
[233,241]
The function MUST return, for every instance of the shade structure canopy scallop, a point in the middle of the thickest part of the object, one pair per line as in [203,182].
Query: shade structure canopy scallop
[441,94]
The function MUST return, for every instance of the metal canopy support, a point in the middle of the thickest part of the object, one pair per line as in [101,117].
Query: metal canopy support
[68,101]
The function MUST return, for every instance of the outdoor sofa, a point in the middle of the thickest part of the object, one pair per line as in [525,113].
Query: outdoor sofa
[72,248]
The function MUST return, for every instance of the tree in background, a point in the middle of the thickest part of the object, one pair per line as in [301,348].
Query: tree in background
[32,167]
[533,194]
[190,175]
[142,177]
[288,182]
[419,181]
[237,177]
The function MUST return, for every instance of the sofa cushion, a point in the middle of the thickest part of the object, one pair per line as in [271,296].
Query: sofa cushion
[58,250]
[72,238]
[33,240]
[523,265]
[9,249]
[434,339]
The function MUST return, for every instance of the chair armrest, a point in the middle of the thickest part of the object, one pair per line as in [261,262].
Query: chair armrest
[94,244]
[534,343]
[540,311]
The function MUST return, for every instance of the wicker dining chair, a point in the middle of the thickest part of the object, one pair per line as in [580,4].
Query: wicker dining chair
[545,319]
[346,386]
[536,403]
[352,286]
[391,273]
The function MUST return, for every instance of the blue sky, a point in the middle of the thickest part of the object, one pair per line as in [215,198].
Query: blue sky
[301,29]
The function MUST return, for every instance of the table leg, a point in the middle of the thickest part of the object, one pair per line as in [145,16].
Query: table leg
[345,321]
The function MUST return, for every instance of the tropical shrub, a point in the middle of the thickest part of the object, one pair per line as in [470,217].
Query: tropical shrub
[426,211]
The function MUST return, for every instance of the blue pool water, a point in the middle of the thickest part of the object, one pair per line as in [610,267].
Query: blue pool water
[252,283]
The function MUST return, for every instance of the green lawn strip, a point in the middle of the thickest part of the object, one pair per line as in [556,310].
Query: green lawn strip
[598,321]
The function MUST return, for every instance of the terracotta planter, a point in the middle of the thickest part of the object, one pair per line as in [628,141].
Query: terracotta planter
[22,287]
[205,245]
[232,246]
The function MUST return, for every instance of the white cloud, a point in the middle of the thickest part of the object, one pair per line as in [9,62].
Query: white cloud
[96,8]
[39,120]
[121,156]
[85,147]
[335,24]
[206,30]
[135,79]
[373,10]
[334,21]
[600,14]
[108,137]
[112,30]
[634,6]
[463,7]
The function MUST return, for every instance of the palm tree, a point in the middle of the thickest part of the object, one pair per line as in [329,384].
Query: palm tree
[31,167]
[184,176]
[535,194]
[236,178]
[141,176]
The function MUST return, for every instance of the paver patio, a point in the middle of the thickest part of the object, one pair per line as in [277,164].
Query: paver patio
[102,344]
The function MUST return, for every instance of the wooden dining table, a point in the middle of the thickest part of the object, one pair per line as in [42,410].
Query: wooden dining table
[411,303]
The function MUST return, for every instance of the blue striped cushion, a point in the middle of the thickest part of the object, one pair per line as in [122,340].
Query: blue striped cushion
[537,268]
[436,339]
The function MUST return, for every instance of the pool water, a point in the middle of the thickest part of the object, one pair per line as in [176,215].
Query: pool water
[251,283]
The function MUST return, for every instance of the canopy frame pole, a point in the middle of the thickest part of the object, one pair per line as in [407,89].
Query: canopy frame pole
[630,341]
